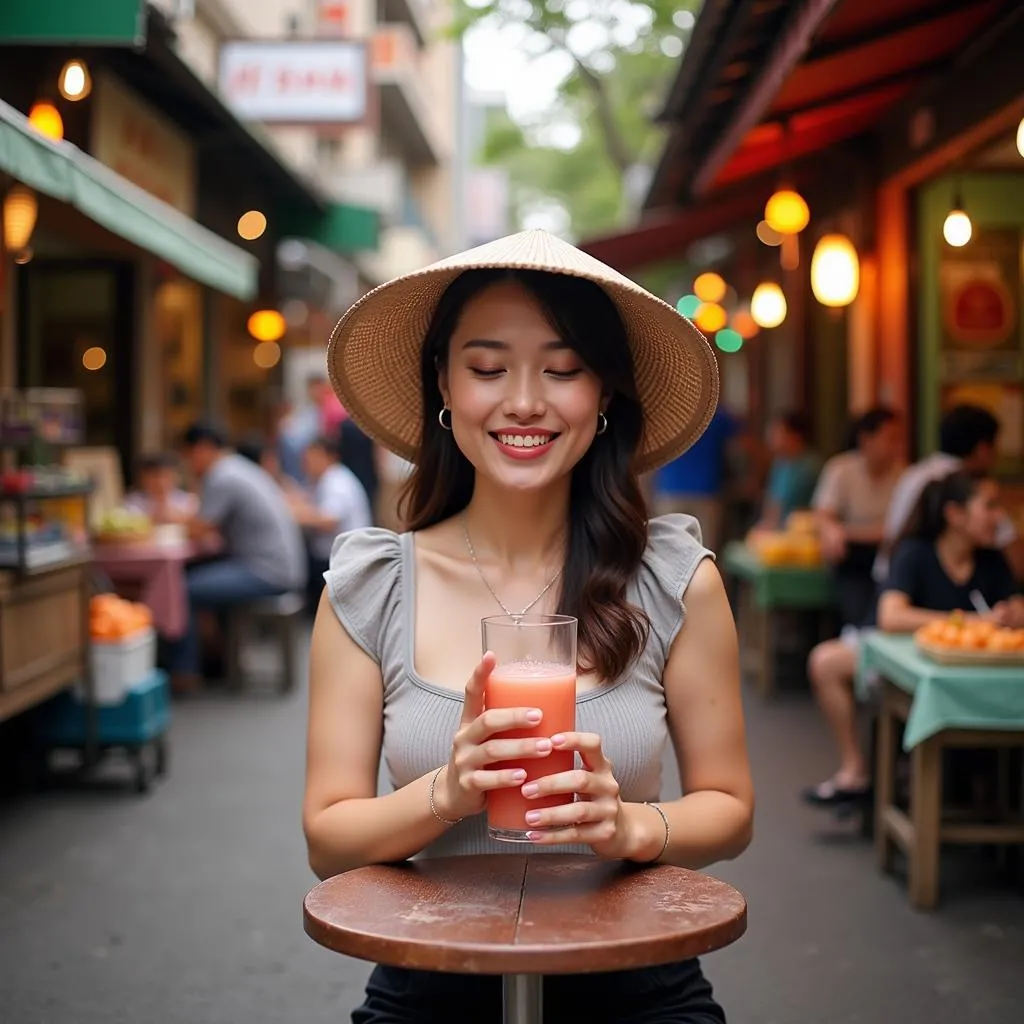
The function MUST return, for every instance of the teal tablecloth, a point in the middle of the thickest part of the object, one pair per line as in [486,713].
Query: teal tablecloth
[780,586]
[945,696]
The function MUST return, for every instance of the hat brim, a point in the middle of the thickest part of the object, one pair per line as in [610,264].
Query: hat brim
[373,357]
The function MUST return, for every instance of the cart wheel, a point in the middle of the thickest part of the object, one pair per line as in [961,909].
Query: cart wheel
[143,770]
[162,755]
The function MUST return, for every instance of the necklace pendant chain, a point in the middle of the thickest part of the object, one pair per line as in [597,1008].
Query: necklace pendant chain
[515,616]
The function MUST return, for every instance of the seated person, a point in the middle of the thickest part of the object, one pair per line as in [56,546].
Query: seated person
[336,503]
[263,550]
[159,495]
[968,437]
[793,473]
[945,553]
[850,504]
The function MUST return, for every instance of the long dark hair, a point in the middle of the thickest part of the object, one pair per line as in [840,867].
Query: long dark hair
[928,519]
[607,528]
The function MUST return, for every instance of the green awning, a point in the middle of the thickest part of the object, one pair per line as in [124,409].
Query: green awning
[64,172]
[345,228]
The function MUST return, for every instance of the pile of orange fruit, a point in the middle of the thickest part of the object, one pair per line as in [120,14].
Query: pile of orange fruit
[113,618]
[960,634]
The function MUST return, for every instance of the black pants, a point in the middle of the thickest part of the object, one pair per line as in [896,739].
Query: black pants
[673,994]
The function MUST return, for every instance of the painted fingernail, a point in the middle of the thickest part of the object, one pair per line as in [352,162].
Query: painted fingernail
[534,836]
[543,746]
[558,739]
[531,790]
[519,775]
[534,716]
[533,818]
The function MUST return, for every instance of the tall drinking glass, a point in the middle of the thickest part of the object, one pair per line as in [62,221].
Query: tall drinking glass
[536,668]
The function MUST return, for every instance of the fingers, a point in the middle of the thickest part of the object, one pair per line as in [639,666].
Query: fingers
[589,746]
[584,821]
[473,704]
[579,782]
[498,720]
[483,781]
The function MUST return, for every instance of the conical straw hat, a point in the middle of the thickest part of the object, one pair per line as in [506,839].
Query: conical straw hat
[373,357]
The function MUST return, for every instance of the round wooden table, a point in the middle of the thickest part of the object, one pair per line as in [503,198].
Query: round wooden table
[523,917]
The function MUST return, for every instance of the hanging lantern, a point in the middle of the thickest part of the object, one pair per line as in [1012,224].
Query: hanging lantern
[767,235]
[19,216]
[75,82]
[768,305]
[267,325]
[957,228]
[744,324]
[835,271]
[46,120]
[710,317]
[1020,137]
[787,212]
[709,287]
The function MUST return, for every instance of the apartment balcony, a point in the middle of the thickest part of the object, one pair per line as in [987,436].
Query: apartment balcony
[405,113]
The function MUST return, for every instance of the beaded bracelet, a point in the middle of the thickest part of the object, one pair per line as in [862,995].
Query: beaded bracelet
[433,809]
[668,830]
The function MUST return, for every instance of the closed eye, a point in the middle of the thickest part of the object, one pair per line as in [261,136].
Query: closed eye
[478,371]
[565,374]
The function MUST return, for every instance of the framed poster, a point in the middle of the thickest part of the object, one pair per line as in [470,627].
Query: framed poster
[980,294]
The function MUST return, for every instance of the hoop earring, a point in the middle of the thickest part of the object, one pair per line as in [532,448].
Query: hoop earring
[440,418]
[602,423]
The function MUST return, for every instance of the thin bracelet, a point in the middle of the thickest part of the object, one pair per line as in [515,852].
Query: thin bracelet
[448,821]
[668,831]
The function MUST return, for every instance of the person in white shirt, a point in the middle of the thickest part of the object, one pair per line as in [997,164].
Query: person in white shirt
[850,505]
[159,494]
[335,503]
[967,440]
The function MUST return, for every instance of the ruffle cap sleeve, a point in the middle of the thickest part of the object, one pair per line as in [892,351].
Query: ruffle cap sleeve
[363,584]
[674,550]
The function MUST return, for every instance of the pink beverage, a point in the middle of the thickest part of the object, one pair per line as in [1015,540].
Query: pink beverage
[545,680]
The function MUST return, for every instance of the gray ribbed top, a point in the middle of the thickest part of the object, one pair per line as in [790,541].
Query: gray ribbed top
[372,583]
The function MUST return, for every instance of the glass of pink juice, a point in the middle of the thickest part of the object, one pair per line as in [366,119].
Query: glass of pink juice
[536,668]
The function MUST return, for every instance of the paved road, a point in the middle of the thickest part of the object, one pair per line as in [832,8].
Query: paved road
[184,907]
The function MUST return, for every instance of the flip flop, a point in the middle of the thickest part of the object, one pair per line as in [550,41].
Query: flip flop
[828,794]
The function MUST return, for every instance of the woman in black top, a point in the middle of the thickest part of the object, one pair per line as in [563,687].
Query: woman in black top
[944,556]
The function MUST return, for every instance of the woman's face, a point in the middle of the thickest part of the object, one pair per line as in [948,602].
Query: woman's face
[524,407]
[979,518]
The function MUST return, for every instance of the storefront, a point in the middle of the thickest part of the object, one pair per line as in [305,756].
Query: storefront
[882,118]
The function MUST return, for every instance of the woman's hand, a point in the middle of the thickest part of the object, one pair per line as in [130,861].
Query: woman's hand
[596,816]
[1009,613]
[461,788]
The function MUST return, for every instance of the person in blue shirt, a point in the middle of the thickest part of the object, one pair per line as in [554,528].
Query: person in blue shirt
[694,482]
[794,472]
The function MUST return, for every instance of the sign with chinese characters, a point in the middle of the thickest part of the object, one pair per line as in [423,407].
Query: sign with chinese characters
[296,81]
[139,144]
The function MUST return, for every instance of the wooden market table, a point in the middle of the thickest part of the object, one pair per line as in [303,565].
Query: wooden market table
[523,916]
[941,707]
[763,592]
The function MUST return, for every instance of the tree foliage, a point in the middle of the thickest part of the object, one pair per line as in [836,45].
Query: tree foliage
[621,55]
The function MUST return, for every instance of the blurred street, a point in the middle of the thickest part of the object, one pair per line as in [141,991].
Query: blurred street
[185,907]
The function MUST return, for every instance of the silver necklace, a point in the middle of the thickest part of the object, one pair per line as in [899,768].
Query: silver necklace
[511,614]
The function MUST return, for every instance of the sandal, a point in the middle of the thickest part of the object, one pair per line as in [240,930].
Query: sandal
[829,794]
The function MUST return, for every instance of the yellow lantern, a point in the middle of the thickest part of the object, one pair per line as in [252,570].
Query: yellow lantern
[75,82]
[710,317]
[957,228]
[266,355]
[252,224]
[787,212]
[709,287]
[20,211]
[267,325]
[768,305]
[835,271]
[46,120]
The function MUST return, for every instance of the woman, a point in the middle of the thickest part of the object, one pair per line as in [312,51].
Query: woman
[943,561]
[546,383]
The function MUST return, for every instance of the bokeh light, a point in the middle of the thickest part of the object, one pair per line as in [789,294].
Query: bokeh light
[729,340]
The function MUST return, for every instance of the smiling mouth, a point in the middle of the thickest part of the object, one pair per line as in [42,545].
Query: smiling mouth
[528,441]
